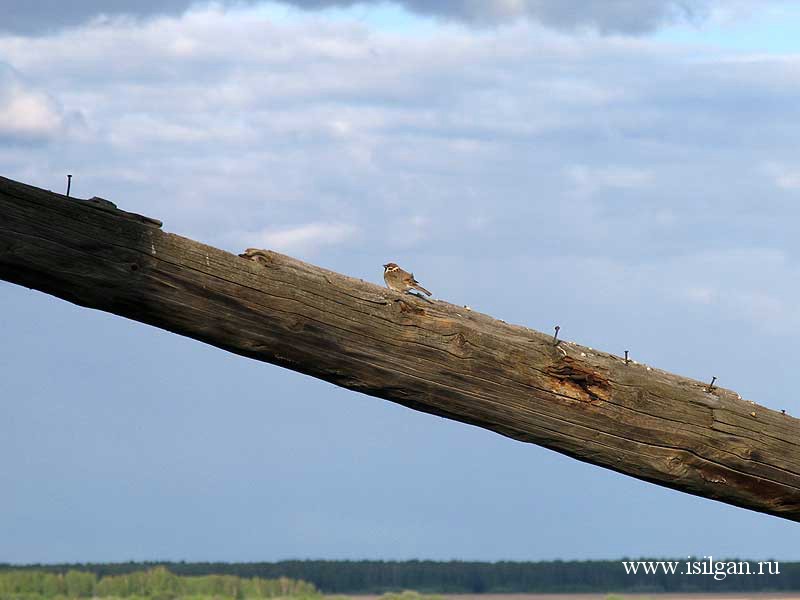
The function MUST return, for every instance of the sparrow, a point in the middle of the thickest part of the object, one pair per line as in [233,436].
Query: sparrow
[401,281]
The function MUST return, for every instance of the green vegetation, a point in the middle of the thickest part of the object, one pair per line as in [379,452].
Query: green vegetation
[242,581]
[154,584]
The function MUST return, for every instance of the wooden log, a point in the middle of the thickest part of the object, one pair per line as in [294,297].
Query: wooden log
[430,356]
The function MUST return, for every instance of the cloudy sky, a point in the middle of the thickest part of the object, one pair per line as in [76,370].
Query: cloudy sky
[627,170]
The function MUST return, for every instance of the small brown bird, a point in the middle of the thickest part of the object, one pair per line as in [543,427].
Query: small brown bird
[401,281]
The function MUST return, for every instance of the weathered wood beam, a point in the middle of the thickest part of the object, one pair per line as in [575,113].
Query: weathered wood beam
[429,356]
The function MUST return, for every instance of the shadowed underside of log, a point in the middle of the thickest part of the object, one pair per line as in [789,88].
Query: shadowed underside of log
[429,356]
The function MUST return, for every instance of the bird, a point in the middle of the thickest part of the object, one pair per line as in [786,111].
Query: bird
[399,280]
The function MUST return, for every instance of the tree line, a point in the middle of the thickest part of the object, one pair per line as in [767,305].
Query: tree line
[432,577]
[157,583]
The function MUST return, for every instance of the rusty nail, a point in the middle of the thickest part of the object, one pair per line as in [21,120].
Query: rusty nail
[711,385]
[626,357]
[555,336]
[69,184]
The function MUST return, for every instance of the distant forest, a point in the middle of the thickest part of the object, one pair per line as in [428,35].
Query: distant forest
[432,577]
[157,583]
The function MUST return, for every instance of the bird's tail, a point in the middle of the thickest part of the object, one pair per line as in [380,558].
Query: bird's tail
[422,289]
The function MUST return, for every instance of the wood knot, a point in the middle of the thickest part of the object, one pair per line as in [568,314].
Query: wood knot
[296,324]
[262,257]
[677,466]
[459,345]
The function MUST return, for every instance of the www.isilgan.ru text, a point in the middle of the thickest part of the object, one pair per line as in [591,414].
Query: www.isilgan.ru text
[719,569]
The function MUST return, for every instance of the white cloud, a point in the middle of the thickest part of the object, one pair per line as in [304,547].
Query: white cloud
[26,113]
[226,121]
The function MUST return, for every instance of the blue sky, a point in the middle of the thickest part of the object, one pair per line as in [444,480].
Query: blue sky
[768,28]
[628,172]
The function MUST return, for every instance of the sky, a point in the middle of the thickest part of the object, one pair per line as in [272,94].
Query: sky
[626,170]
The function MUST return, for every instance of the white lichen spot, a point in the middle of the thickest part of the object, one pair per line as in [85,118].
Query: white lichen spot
[208,262]
[152,248]
[649,369]
[583,353]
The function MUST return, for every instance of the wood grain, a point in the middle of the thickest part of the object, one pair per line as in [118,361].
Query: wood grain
[430,356]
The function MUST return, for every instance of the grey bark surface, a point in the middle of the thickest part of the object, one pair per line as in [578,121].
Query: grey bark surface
[430,356]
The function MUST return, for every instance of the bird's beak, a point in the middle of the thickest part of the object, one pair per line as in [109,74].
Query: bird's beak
[384,266]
